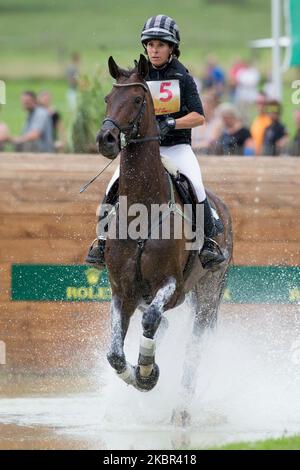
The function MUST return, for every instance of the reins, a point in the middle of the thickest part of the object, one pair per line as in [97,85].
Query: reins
[134,128]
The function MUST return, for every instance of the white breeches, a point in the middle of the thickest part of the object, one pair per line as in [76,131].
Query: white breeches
[185,160]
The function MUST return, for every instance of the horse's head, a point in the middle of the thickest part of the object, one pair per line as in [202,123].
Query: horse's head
[125,107]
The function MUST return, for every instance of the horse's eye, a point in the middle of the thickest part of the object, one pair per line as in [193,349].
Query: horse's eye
[137,99]
[106,99]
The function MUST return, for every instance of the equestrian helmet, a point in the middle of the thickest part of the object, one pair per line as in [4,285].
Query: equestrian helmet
[160,27]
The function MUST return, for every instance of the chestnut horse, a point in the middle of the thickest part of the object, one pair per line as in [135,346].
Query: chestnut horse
[149,273]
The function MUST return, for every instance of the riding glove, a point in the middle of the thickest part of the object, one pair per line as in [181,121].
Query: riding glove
[166,125]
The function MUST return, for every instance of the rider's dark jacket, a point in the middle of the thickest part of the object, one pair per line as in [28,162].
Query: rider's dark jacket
[189,98]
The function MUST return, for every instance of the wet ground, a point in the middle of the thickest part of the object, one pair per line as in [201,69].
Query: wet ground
[248,388]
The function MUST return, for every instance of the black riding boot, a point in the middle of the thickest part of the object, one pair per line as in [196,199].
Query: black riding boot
[211,254]
[96,251]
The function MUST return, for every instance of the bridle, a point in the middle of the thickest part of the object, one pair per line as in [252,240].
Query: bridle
[134,128]
[132,137]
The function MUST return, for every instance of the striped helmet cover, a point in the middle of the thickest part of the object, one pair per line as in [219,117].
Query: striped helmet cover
[161,27]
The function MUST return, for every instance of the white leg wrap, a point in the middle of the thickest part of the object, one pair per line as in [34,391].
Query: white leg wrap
[147,350]
[147,346]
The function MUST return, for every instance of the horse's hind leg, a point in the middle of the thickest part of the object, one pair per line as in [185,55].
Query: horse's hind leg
[205,306]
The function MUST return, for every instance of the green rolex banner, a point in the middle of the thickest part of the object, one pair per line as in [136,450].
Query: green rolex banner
[78,283]
[295,32]
[68,283]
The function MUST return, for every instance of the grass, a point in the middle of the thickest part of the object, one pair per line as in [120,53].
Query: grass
[37,38]
[12,112]
[284,443]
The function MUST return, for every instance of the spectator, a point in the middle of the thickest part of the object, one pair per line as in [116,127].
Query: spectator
[260,123]
[246,90]
[275,137]
[44,100]
[269,88]
[72,76]
[234,139]
[295,144]
[204,137]
[37,135]
[214,77]
[238,65]
[4,135]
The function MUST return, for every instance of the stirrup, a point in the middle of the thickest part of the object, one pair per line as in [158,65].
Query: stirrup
[95,254]
[211,258]
[209,239]
[93,243]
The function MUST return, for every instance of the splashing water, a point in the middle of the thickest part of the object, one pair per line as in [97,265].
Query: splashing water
[248,387]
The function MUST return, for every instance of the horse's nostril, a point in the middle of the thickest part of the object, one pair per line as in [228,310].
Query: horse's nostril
[110,138]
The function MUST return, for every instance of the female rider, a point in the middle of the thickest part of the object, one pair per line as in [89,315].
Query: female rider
[178,109]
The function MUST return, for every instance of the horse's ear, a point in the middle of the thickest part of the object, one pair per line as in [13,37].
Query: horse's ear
[113,68]
[143,67]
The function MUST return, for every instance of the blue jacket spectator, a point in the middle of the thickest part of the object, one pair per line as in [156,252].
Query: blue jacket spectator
[214,77]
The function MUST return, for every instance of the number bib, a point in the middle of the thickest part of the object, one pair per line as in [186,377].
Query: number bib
[165,95]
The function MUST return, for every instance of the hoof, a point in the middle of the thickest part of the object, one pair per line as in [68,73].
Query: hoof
[181,418]
[145,384]
[117,362]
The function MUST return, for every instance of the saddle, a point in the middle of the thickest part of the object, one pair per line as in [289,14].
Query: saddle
[187,194]
[186,191]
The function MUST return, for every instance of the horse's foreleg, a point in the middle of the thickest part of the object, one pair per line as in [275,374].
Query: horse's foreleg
[147,372]
[152,315]
[116,356]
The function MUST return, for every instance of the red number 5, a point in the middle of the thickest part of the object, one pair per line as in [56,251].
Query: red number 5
[163,89]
